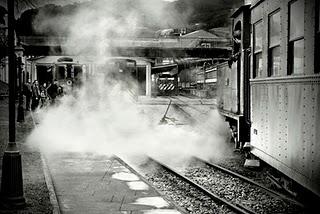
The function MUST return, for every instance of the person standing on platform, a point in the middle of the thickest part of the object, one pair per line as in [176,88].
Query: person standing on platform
[35,95]
[27,91]
[53,91]
[43,94]
[60,91]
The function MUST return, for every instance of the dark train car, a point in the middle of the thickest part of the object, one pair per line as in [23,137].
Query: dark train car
[188,79]
[199,78]
[233,80]
[210,81]
[272,82]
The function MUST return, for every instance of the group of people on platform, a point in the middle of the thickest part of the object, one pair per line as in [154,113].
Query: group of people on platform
[40,95]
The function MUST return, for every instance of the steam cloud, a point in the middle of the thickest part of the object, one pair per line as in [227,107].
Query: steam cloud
[103,118]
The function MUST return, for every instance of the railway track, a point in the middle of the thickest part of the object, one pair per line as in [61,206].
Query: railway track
[184,103]
[236,192]
[284,203]
[238,189]
[207,193]
[249,181]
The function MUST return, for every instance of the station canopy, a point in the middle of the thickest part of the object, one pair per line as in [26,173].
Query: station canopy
[180,64]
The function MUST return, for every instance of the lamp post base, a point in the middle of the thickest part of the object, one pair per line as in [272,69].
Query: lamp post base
[11,181]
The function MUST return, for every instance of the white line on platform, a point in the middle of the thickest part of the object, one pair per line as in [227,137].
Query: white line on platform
[47,176]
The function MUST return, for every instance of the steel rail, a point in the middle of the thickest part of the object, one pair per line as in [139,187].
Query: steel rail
[179,108]
[235,207]
[187,104]
[186,114]
[248,180]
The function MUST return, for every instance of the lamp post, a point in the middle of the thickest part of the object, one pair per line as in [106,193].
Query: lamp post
[11,180]
[19,53]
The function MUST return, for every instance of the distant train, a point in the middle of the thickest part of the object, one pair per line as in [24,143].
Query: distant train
[199,78]
[269,90]
[167,85]
[71,74]
[118,70]
[68,73]
[64,70]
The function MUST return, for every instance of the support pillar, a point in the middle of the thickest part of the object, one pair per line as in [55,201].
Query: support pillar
[35,74]
[148,80]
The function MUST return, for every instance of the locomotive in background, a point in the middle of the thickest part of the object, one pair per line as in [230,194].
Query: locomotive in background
[70,74]
[118,70]
[269,91]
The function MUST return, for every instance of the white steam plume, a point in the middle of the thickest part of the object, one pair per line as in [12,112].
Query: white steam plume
[102,118]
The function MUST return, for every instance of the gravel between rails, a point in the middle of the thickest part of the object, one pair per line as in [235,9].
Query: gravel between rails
[181,193]
[237,190]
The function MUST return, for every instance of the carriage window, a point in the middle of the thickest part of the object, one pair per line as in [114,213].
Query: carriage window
[297,19]
[257,65]
[274,29]
[274,61]
[77,70]
[258,36]
[274,44]
[257,49]
[70,71]
[296,40]
[61,74]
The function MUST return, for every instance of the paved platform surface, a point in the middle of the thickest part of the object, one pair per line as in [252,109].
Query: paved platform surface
[35,189]
[87,183]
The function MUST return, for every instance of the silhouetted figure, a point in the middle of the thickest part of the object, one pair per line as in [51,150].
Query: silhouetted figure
[43,94]
[53,90]
[27,91]
[35,95]
[60,91]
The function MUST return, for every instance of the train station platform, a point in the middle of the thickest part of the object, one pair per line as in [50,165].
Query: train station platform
[87,183]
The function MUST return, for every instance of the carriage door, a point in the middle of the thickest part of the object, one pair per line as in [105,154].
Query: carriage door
[44,73]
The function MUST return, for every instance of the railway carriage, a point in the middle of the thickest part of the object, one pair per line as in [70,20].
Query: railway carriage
[270,89]
[199,78]
[70,73]
[65,70]
[233,80]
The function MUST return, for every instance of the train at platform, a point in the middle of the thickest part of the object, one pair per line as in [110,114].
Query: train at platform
[70,74]
[188,75]
[269,89]
[67,73]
